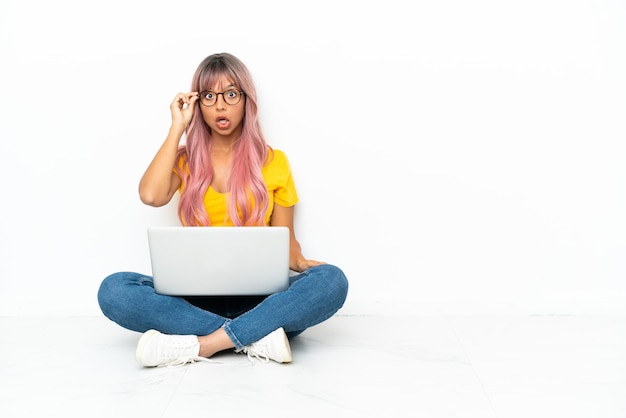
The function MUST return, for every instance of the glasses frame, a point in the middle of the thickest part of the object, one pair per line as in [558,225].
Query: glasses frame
[202,93]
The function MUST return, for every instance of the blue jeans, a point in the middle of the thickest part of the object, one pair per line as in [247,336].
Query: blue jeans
[313,296]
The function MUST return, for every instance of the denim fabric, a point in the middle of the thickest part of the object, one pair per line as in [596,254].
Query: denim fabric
[313,296]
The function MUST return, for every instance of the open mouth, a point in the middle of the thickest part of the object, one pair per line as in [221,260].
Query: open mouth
[222,122]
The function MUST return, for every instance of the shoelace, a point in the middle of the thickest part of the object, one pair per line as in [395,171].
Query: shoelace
[181,356]
[259,353]
[181,361]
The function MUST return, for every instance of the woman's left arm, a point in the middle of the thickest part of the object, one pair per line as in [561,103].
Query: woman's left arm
[283,216]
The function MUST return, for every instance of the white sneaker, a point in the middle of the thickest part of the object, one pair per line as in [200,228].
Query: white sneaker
[274,346]
[156,349]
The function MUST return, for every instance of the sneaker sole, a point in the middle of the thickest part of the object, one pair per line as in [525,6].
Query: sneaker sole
[141,344]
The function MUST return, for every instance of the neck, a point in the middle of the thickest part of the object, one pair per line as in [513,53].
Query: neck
[222,146]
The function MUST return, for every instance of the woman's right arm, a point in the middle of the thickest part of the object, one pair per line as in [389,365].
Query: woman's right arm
[159,182]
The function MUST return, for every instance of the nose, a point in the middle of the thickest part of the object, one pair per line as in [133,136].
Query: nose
[220,103]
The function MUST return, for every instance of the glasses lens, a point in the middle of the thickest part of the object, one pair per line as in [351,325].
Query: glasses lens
[207,98]
[232,97]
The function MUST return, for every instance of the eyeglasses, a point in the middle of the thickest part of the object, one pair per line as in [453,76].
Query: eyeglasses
[231,97]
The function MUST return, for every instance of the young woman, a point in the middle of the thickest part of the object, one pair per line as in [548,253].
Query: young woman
[226,175]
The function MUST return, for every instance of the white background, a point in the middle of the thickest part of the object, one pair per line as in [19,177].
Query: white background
[453,157]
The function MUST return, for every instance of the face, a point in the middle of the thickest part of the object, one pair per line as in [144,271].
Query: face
[224,119]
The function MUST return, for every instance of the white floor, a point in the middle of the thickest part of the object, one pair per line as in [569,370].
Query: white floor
[349,366]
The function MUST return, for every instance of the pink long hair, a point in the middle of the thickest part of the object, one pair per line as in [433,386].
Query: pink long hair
[248,199]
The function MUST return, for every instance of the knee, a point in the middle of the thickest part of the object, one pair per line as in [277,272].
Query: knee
[336,282]
[107,290]
[111,290]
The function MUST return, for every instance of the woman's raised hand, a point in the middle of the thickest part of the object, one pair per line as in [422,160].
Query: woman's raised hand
[182,108]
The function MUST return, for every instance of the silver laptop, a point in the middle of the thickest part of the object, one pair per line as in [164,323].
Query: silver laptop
[219,260]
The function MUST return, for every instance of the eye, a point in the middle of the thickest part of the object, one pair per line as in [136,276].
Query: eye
[208,95]
[232,94]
